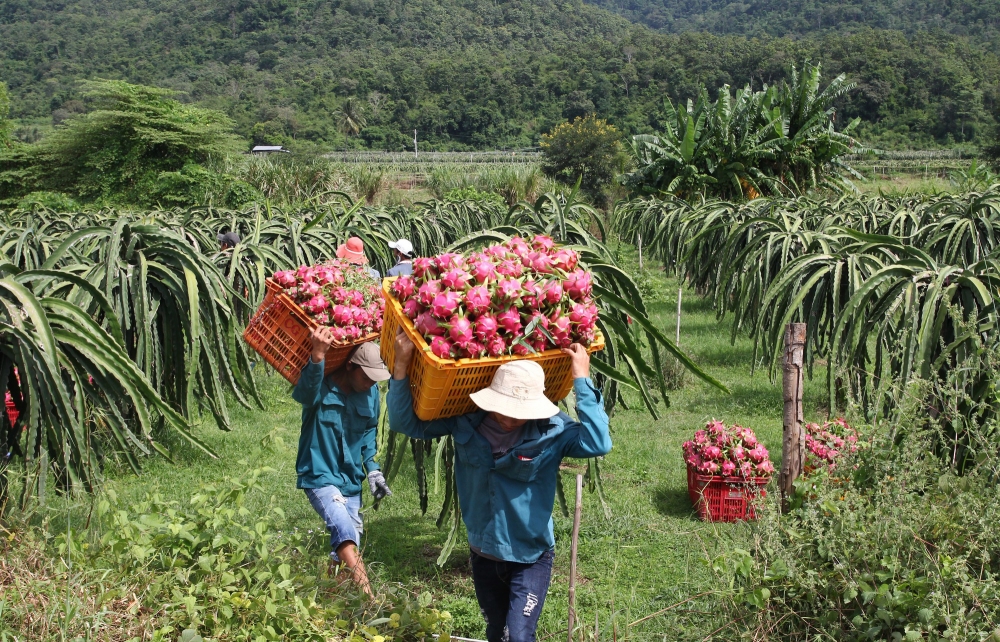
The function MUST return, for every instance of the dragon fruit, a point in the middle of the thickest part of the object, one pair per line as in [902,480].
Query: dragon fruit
[539,262]
[583,316]
[477,300]
[510,320]
[411,308]
[285,279]
[484,271]
[729,450]
[473,350]
[728,468]
[455,279]
[424,267]
[403,287]
[428,292]
[578,285]
[460,331]
[565,259]
[442,348]
[339,334]
[486,327]
[553,292]
[531,294]
[316,304]
[509,290]
[448,261]
[427,325]
[495,346]
[543,243]
[510,269]
[561,328]
[309,289]
[445,304]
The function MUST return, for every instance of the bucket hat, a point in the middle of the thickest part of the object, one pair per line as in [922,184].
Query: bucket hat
[366,356]
[517,391]
[353,250]
[403,246]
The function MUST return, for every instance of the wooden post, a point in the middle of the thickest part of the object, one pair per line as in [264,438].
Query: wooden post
[680,291]
[793,444]
[639,237]
[572,562]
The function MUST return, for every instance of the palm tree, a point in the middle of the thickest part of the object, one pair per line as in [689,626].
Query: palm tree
[351,117]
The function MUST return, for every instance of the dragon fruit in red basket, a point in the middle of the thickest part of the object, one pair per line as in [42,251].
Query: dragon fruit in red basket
[519,297]
[727,451]
[338,294]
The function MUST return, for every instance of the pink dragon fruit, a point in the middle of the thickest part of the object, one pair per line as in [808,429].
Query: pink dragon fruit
[738,453]
[484,271]
[561,329]
[316,304]
[728,468]
[473,350]
[495,346]
[541,324]
[448,261]
[700,437]
[486,327]
[442,348]
[445,304]
[309,289]
[428,292]
[341,314]
[543,243]
[510,269]
[495,251]
[424,268]
[518,247]
[531,294]
[539,262]
[403,287]
[509,290]
[427,325]
[305,273]
[583,316]
[325,276]
[285,279]
[460,331]
[411,308]
[477,300]
[322,318]
[578,285]
[565,259]
[765,467]
[510,321]
[758,454]
[356,298]
[522,349]
[455,279]
[339,333]
[713,452]
[746,469]
[340,295]
[553,292]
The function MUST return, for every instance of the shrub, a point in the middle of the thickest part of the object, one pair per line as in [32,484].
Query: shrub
[588,149]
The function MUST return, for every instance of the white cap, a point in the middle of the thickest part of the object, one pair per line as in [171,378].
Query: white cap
[517,391]
[403,246]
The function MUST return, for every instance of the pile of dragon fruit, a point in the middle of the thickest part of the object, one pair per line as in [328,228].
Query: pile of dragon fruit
[727,451]
[338,294]
[520,297]
[825,444]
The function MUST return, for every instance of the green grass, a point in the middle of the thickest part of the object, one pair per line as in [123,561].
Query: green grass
[648,555]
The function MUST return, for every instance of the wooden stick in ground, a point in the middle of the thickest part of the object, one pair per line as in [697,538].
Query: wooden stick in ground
[680,291]
[793,443]
[572,562]
[639,245]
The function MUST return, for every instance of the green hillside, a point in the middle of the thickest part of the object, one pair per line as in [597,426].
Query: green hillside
[464,73]
[978,18]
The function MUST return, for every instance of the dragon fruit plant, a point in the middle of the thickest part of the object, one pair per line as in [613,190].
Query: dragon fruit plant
[825,444]
[728,452]
[521,297]
[338,294]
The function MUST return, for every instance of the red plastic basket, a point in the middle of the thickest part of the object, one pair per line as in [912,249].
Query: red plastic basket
[725,499]
[12,412]
[279,332]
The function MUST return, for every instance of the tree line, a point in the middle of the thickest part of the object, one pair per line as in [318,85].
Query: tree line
[366,73]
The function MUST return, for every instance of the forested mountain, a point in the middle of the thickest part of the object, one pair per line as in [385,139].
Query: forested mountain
[464,73]
[978,18]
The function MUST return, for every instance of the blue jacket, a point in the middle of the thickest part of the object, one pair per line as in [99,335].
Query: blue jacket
[338,433]
[400,269]
[507,503]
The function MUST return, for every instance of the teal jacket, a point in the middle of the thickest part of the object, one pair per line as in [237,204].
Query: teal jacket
[338,433]
[507,503]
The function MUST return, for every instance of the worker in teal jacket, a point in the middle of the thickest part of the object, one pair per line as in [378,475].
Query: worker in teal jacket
[337,444]
[507,465]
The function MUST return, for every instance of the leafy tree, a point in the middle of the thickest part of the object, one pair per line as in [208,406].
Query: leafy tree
[5,124]
[588,149]
[137,145]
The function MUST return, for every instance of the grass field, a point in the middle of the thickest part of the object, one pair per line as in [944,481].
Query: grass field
[648,555]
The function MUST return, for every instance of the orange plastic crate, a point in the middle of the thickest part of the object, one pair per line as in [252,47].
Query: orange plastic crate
[279,332]
[441,387]
[725,499]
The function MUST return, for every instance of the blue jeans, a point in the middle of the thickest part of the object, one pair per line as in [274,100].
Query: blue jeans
[342,515]
[511,595]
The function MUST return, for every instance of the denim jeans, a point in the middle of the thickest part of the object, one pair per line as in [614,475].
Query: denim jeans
[511,595]
[342,515]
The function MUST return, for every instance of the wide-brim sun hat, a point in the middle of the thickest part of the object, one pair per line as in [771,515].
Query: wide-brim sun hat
[353,250]
[517,391]
[402,246]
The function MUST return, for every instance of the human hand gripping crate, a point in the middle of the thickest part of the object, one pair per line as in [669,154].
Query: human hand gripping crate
[336,294]
[467,315]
